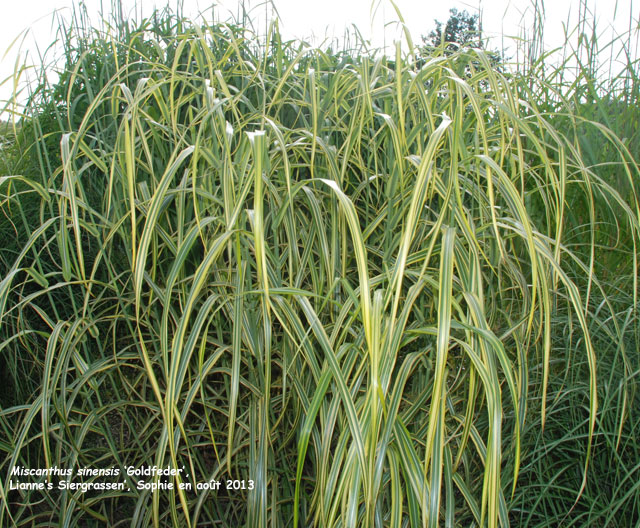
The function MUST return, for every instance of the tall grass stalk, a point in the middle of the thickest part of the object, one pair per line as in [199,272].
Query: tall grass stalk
[371,286]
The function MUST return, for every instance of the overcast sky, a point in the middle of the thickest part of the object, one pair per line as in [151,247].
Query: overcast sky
[321,18]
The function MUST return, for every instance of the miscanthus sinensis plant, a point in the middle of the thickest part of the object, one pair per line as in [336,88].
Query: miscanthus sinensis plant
[360,284]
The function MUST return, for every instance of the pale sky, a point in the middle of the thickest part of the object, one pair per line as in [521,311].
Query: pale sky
[319,18]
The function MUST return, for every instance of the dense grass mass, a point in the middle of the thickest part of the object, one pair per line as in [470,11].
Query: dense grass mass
[389,291]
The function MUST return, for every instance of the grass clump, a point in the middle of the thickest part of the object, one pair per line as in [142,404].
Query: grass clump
[371,286]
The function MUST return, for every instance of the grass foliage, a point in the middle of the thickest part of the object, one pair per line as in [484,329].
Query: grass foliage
[391,291]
